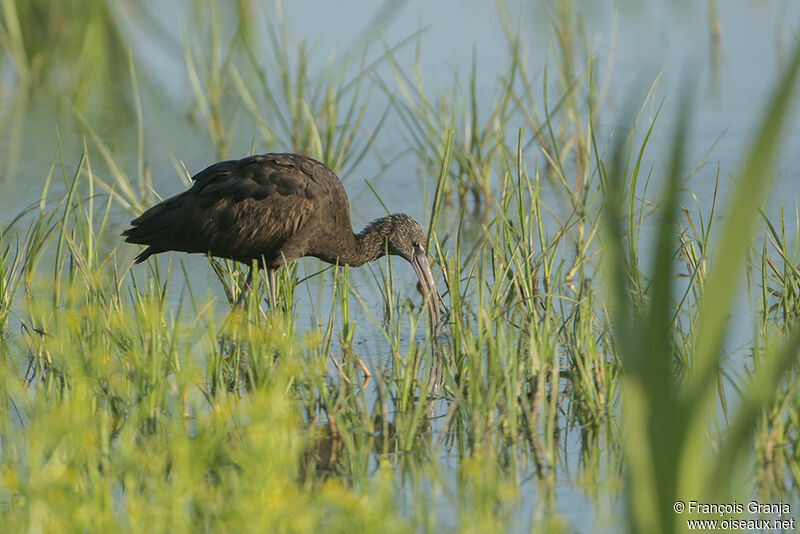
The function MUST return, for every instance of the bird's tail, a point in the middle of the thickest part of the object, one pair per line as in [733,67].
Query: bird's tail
[146,253]
[147,229]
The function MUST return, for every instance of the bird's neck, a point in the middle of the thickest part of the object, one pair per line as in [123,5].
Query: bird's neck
[369,244]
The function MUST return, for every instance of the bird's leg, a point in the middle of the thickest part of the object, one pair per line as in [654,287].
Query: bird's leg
[367,374]
[248,286]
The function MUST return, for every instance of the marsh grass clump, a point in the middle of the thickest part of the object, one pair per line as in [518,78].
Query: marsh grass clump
[776,437]
[291,101]
[127,405]
[476,147]
[682,463]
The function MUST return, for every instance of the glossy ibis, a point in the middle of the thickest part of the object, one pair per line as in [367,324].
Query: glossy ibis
[272,209]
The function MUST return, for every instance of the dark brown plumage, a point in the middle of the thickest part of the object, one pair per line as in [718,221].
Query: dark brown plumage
[273,209]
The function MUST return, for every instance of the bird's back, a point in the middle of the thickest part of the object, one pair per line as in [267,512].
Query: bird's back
[275,206]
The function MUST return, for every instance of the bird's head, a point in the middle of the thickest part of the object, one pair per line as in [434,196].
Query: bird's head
[405,238]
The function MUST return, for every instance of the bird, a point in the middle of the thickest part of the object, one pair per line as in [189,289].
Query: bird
[271,209]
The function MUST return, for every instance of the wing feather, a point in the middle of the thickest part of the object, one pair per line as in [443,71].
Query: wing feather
[241,210]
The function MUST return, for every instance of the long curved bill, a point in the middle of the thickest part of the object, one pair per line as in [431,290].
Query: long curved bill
[423,270]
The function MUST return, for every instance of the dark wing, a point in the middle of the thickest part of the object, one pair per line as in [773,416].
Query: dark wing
[243,210]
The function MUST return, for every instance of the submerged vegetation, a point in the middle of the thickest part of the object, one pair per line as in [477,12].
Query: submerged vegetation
[585,315]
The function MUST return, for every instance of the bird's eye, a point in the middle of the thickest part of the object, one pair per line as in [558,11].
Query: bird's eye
[418,247]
